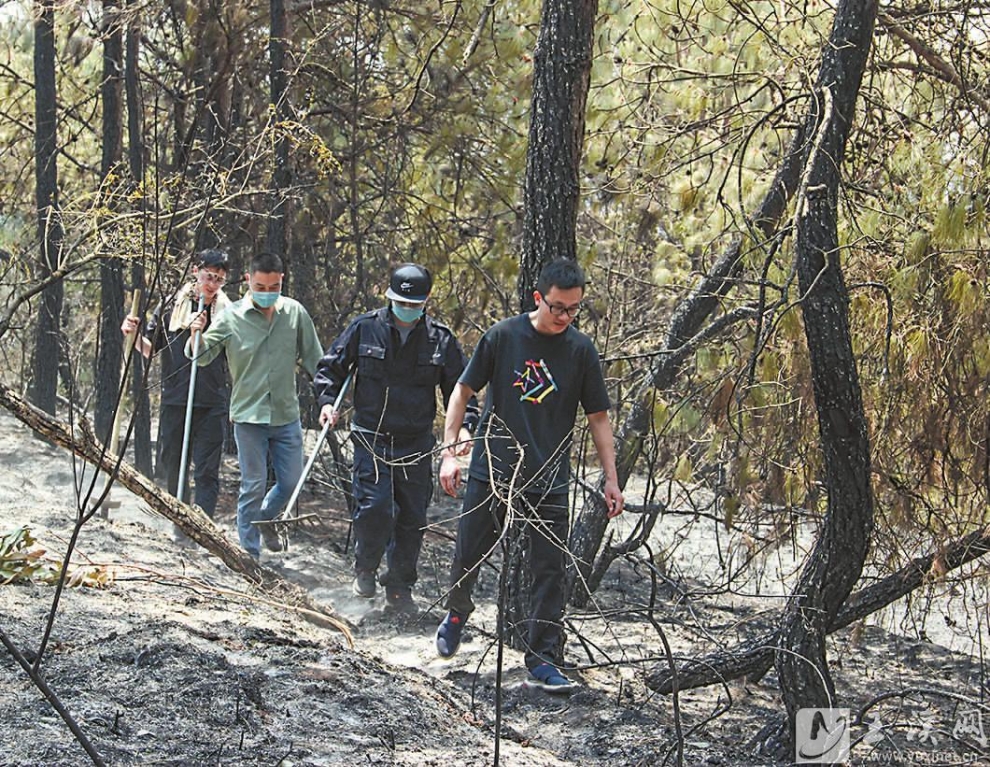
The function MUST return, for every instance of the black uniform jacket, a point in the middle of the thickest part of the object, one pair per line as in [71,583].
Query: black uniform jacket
[394,389]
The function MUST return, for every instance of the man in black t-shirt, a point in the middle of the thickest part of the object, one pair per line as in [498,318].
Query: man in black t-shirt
[165,334]
[538,369]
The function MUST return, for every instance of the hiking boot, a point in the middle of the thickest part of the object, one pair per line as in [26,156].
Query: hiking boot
[548,678]
[364,584]
[400,601]
[270,537]
[449,633]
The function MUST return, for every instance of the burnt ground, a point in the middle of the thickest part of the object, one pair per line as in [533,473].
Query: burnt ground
[175,660]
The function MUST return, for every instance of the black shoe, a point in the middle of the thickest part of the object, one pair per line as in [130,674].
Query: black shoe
[400,601]
[364,584]
[449,634]
[269,536]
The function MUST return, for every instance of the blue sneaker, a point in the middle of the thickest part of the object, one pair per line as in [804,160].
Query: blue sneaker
[449,633]
[548,678]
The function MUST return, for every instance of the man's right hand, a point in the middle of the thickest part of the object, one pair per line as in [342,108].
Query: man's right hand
[450,473]
[327,413]
[198,323]
[130,324]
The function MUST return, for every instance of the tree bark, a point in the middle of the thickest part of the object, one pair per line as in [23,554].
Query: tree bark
[44,371]
[110,351]
[837,559]
[80,439]
[278,238]
[135,157]
[561,74]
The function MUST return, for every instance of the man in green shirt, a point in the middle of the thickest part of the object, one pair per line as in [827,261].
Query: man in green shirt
[264,335]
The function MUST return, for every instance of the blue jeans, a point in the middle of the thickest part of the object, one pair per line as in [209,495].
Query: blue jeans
[256,443]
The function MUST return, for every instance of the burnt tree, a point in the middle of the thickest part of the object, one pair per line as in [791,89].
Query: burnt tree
[836,561]
[44,374]
[111,347]
[278,237]
[135,159]
[561,77]
[561,74]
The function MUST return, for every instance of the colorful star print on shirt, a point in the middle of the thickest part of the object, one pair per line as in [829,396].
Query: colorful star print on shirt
[535,381]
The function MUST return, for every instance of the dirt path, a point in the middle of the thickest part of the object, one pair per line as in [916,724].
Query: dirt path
[175,662]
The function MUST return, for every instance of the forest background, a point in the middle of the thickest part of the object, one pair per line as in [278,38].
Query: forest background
[781,208]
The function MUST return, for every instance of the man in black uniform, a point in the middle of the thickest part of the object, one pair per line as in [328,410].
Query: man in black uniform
[167,332]
[399,356]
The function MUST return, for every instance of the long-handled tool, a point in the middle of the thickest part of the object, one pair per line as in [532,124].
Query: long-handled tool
[184,462]
[316,450]
[129,341]
[312,458]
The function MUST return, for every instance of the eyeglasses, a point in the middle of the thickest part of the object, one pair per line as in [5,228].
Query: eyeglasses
[213,277]
[559,311]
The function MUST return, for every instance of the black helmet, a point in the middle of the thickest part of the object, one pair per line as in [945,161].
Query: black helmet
[410,282]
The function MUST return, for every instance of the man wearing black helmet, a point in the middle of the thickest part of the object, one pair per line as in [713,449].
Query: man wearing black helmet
[399,356]
[167,332]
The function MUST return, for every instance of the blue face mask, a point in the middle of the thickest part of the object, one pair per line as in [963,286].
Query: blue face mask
[407,314]
[265,300]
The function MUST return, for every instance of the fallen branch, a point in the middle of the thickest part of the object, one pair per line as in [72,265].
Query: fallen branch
[191,520]
[753,659]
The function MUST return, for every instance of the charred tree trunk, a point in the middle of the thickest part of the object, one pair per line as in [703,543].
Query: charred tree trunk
[135,156]
[836,561]
[561,74]
[111,348]
[44,371]
[278,241]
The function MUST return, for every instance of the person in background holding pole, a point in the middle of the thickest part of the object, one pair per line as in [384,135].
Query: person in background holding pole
[538,369]
[264,336]
[167,332]
[400,356]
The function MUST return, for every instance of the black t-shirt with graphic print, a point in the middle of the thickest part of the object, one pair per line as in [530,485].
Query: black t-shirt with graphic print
[535,383]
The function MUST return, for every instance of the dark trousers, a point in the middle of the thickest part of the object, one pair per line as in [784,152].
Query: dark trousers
[546,523]
[206,438]
[393,484]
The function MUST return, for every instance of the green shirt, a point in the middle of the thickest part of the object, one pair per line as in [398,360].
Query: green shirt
[262,356]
